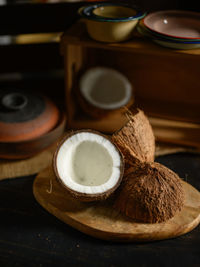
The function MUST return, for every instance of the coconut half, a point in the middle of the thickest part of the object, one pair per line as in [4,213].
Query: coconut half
[135,140]
[151,194]
[88,165]
[104,90]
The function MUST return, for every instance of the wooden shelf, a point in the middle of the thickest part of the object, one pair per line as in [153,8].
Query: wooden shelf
[165,83]
[183,112]
[77,35]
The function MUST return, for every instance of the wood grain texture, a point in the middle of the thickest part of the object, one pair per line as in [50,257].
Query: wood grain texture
[100,220]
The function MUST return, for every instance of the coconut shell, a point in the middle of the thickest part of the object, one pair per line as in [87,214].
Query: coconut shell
[136,138]
[99,113]
[84,196]
[151,194]
[131,164]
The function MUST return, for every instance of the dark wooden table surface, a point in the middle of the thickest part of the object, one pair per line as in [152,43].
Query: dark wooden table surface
[30,236]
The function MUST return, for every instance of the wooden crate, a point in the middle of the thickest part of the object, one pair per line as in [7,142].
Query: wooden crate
[165,81]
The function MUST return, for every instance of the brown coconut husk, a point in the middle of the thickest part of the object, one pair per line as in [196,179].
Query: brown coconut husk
[135,140]
[151,194]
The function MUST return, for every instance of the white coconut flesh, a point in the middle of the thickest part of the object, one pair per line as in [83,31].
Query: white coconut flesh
[88,163]
[105,88]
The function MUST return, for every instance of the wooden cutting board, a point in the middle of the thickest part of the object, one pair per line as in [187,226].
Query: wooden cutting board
[100,220]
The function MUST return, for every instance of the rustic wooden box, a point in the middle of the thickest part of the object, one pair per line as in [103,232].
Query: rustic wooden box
[166,83]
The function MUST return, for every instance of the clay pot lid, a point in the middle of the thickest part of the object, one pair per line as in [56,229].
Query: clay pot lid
[25,115]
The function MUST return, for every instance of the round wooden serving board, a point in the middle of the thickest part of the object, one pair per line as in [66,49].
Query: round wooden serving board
[100,220]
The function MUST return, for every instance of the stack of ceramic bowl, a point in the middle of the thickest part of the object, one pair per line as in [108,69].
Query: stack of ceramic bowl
[111,22]
[172,28]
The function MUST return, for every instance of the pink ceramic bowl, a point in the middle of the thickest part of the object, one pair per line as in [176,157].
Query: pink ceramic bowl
[174,23]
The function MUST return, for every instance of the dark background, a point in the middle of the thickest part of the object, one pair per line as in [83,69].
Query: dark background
[29,236]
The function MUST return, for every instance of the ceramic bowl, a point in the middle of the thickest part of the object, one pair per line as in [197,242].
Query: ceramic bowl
[167,43]
[146,31]
[174,23]
[182,46]
[111,22]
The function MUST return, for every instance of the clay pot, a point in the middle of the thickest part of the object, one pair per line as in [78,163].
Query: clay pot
[29,123]
[26,149]
[25,115]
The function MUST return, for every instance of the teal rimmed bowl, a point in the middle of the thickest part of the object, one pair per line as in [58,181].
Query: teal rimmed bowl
[111,22]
